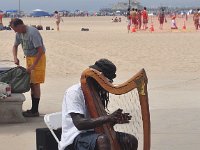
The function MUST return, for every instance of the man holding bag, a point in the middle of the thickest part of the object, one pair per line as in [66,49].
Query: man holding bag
[34,51]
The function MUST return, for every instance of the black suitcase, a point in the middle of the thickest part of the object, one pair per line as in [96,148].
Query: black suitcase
[45,140]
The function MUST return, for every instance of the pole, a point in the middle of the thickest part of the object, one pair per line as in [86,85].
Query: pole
[19,9]
[129,3]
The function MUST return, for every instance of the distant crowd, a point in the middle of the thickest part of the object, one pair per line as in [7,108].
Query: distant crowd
[138,19]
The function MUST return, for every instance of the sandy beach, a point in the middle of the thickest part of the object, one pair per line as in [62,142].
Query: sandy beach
[170,58]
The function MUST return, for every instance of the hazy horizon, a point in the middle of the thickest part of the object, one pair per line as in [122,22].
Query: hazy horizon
[90,5]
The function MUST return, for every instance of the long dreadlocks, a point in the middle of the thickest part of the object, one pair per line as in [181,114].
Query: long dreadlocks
[102,93]
[108,69]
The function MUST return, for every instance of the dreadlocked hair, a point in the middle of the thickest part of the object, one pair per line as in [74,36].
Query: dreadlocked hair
[103,94]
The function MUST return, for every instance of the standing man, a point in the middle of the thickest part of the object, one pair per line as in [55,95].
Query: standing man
[139,14]
[196,19]
[128,19]
[133,14]
[1,20]
[145,18]
[161,18]
[34,51]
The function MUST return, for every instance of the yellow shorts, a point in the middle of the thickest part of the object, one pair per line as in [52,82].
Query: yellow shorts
[38,74]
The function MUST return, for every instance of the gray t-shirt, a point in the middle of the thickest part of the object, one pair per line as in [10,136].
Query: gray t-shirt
[30,41]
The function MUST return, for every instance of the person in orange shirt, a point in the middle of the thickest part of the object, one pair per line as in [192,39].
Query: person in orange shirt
[145,18]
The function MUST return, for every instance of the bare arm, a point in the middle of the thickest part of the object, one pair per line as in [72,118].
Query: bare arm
[16,60]
[83,123]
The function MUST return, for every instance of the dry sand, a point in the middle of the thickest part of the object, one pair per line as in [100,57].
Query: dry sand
[170,58]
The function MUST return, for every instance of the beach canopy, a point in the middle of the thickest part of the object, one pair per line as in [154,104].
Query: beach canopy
[11,11]
[39,13]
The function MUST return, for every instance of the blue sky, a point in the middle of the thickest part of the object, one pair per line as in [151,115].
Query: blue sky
[91,5]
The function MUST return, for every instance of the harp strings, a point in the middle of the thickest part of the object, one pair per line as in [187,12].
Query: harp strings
[130,103]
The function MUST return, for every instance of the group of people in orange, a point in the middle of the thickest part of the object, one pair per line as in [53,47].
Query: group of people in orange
[137,18]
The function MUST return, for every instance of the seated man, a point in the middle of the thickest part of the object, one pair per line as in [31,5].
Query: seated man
[78,128]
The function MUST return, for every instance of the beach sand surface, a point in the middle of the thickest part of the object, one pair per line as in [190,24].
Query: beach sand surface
[170,58]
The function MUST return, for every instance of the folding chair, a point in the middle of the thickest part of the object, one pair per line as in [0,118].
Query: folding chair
[54,122]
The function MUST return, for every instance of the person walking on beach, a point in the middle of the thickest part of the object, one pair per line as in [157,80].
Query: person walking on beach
[34,51]
[128,19]
[139,17]
[199,18]
[77,125]
[133,14]
[1,20]
[161,18]
[58,19]
[196,17]
[145,18]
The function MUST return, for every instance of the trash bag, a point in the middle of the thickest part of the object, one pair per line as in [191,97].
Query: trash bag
[18,78]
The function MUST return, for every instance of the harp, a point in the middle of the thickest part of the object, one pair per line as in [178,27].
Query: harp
[139,106]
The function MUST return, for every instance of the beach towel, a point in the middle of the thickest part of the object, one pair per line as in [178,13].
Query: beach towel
[18,78]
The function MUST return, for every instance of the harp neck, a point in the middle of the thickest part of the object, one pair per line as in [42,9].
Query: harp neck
[138,81]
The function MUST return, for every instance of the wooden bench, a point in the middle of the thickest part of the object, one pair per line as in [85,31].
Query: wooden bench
[11,109]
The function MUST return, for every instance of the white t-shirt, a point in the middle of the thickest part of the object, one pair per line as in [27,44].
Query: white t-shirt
[73,101]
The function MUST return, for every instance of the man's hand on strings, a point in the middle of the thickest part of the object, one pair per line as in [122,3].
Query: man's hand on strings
[124,118]
[114,116]
[117,117]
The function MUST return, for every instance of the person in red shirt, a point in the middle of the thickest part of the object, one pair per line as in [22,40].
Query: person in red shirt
[145,18]
[196,17]
[133,14]
[161,18]
[1,21]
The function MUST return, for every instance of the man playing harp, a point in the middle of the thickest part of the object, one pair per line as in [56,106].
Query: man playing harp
[78,128]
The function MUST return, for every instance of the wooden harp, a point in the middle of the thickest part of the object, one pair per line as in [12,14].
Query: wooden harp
[138,84]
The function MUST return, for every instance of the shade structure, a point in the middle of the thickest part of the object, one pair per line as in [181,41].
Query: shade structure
[11,11]
[39,13]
